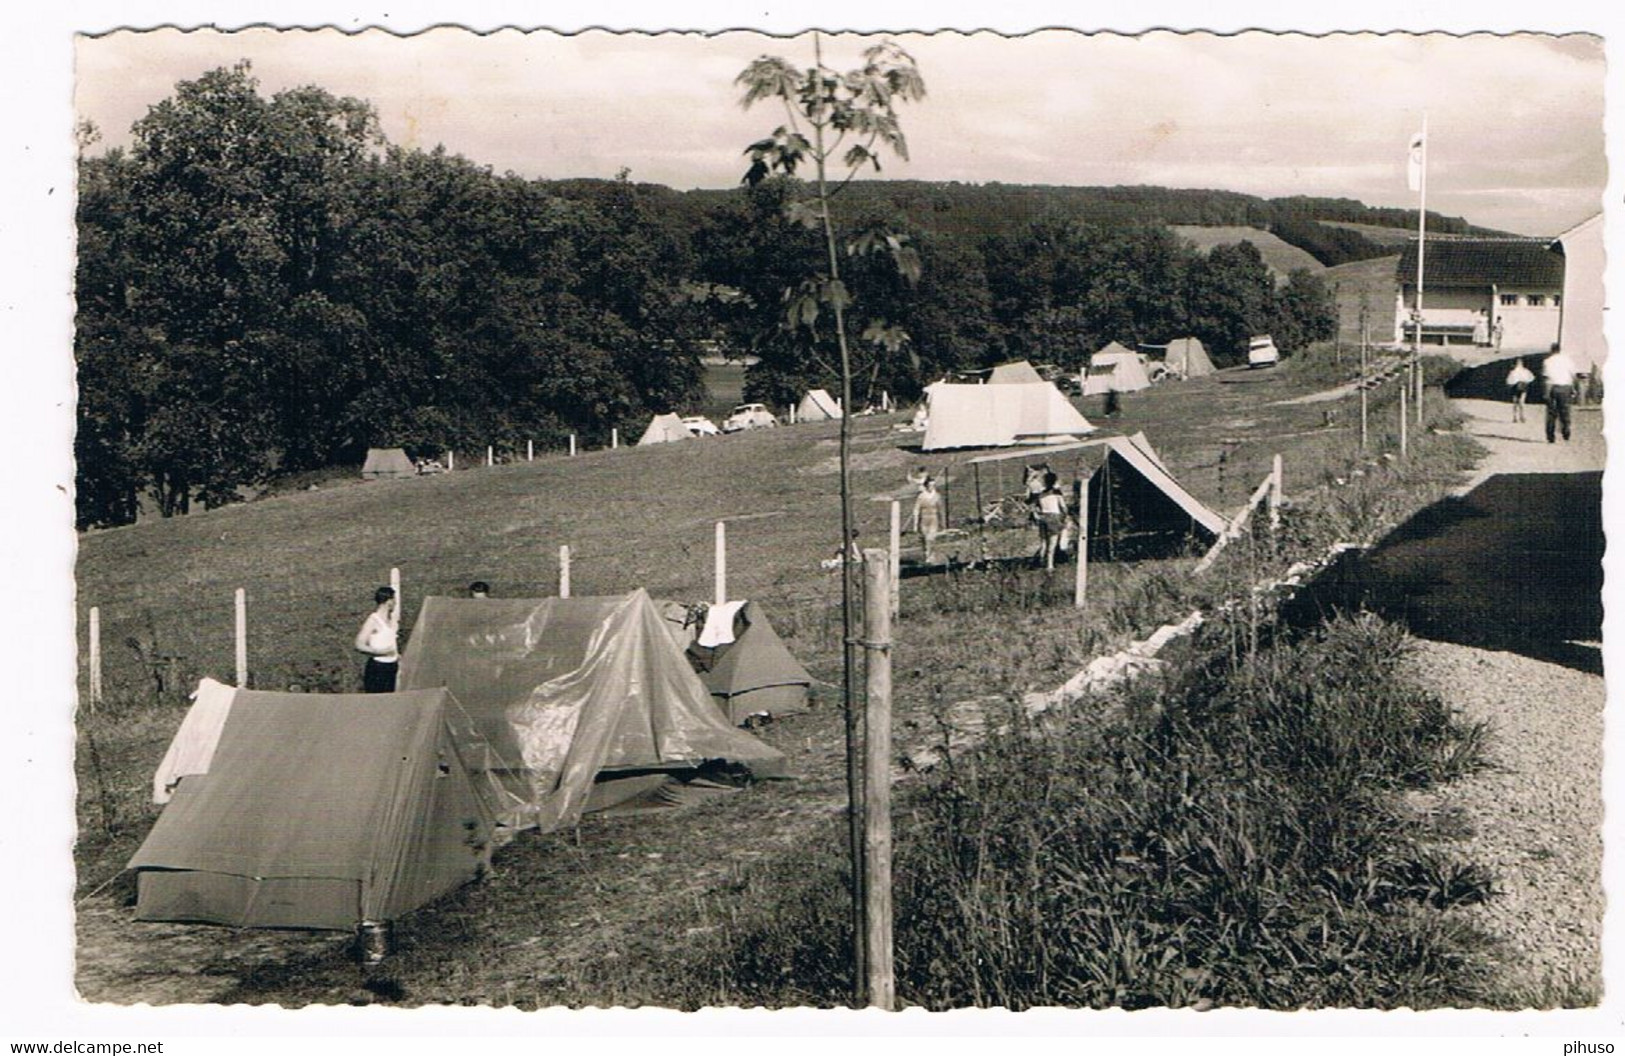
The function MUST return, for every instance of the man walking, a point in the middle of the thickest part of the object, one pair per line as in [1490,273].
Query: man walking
[1558,373]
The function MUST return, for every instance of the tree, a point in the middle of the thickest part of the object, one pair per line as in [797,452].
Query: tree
[1305,312]
[824,108]
[1229,298]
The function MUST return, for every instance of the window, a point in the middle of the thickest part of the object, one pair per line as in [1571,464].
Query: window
[1536,300]
[1509,300]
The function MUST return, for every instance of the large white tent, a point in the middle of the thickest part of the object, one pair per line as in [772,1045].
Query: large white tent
[1001,415]
[665,429]
[1020,372]
[1115,369]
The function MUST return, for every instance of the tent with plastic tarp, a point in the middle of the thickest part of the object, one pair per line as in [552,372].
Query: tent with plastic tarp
[588,702]
[1115,369]
[817,406]
[754,672]
[387,462]
[315,810]
[664,429]
[999,416]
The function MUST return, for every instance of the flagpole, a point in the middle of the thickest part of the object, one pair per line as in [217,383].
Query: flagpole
[1421,254]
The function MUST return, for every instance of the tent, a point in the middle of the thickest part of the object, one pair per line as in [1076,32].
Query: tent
[385,462]
[1136,505]
[817,406]
[585,701]
[1115,368]
[663,429]
[755,674]
[1020,372]
[1187,358]
[314,810]
[999,416]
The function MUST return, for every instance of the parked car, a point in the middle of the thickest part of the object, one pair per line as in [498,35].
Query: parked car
[749,416]
[1261,352]
[699,425]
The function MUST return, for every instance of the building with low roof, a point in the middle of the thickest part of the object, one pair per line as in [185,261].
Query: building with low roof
[1474,286]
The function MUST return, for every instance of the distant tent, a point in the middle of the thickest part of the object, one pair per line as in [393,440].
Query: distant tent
[321,811]
[1115,368]
[1136,506]
[1187,358]
[755,674]
[590,698]
[817,406]
[385,462]
[1020,372]
[663,429]
[999,416]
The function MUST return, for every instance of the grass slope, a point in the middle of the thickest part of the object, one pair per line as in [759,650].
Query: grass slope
[1282,257]
[1368,287]
[598,915]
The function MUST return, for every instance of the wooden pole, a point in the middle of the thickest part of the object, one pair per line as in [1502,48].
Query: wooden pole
[241,638]
[95,657]
[896,558]
[1275,493]
[877,842]
[1080,585]
[572,445]
[1364,369]
[1404,409]
[614,437]
[721,562]
[400,602]
[451,461]
[564,571]
[490,456]
[530,450]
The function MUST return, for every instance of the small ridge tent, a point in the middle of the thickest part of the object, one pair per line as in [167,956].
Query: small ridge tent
[585,701]
[999,416]
[817,406]
[664,429]
[386,462]
[1020,372]
[1187,358]
[755,674]
[314,810]
[1115,369]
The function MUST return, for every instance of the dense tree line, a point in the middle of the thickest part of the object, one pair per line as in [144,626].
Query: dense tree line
[265,285]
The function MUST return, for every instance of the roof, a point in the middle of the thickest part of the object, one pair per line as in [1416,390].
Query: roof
[1484,262]
[999,416]
[1017,373]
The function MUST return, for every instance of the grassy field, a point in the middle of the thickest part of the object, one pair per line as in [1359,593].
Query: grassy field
[605,914]
[1366,286]
[1281,256]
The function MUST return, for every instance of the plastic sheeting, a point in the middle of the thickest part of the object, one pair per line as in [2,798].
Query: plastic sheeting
[568,689]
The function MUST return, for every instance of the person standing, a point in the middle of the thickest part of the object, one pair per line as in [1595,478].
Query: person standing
[927,516]
[1558,373]
[1519,378]
[1498,332]
[379,640]
[1051,520]
[1481,328]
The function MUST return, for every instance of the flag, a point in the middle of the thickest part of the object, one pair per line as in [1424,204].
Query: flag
[1413,167]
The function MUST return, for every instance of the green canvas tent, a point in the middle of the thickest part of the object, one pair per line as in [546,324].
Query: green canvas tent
[387,462]
[1187,358]
[755,674]
[664,429]
[585,701]
[321,811]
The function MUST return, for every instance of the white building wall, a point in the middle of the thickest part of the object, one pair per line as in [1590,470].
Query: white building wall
[1583,292]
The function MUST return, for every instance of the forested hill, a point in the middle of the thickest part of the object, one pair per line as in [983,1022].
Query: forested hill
[974,212]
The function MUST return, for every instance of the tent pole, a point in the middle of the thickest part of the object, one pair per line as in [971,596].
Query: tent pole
[877,837]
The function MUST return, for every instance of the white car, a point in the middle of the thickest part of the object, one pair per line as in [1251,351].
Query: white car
[699,425]
[749,416]
[1261,352]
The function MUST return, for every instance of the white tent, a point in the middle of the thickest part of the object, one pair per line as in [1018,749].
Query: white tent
[663,429]
[1020,372]
[1187,358]
[817,406]
[999,416]
[1115,368]
[386,462]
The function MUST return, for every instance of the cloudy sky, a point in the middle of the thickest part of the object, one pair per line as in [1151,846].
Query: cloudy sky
[1516,122]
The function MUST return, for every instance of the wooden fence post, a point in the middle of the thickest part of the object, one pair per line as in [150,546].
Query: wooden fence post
[490,456]
[95,657]
[721,562]
[530,450]
[400,602]
[896,558]
[1404,410]
[1275,493]
[240,607]
[877,841]
[1080,585]
[614,437]
[451,461]
[564,571]
[572,445]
